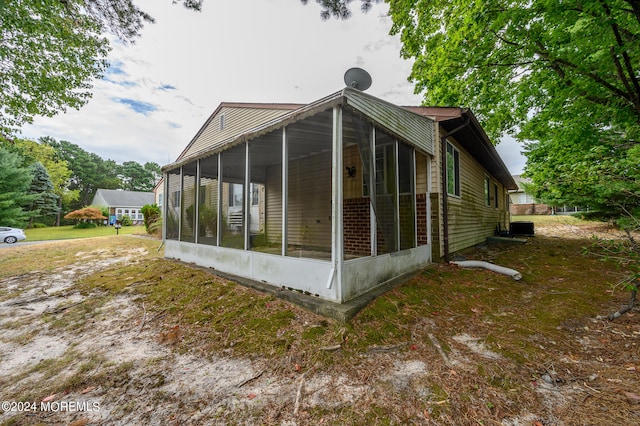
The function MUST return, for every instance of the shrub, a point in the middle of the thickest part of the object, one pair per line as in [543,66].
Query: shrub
[151,213]
[126,221]
[85,225]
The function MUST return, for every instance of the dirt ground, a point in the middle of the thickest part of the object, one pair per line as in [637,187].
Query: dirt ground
[120,361]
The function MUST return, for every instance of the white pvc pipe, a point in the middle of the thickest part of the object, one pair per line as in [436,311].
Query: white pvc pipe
[490,266]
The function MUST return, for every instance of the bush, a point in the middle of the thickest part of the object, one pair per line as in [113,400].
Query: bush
[85,225]
[126,221]
[38,225]
[151,213]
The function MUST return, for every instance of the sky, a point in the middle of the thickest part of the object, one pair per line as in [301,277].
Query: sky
[159,91]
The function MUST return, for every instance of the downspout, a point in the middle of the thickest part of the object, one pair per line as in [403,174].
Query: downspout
[445,194]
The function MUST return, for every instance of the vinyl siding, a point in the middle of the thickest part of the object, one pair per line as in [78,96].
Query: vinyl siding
[237,121]
[471,221]
[309,201]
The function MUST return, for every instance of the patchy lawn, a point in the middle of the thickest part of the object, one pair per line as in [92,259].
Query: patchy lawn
[131,338]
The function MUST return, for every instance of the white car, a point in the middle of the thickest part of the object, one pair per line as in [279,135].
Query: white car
[11,235]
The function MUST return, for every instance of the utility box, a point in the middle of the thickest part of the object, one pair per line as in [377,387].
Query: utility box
[521,228]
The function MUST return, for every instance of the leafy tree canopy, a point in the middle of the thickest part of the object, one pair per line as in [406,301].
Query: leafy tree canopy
[52,50]
[37,152]
[136,177]
[87,213]
[562,76]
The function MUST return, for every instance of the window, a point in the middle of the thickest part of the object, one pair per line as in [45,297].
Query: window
[386,169]
[255,194]
[495,195]
[453,170]
[487,191]
[235,195]
[221,121]
[160,196]
[176,198]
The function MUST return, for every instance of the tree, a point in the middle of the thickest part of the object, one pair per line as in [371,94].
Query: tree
[14,185]
[155,170]
[136,177]
[57,168]
[45,200]
[340,8]
[87,213]
[52,50]
[151,213]
[88,171]
[564,76]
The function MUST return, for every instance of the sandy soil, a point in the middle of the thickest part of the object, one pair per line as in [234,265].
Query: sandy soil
[150,382]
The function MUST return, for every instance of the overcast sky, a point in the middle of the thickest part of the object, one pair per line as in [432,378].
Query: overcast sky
[158,92]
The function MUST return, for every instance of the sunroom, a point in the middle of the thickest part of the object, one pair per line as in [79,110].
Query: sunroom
[330,199]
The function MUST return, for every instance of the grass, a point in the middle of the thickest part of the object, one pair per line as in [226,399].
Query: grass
[69,232]
[531,324]
[550,219]
[42,258]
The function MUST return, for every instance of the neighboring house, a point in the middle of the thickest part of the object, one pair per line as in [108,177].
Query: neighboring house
[123,203]
[333,198]
[158,192]
[523,203]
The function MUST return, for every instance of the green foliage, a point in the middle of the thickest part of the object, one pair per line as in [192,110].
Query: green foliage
[126,221]
[45,202]
[15,180]
[562,76]
[52,51]
[85,225]
[136,177]
[340,9]
[89,172]
[151,214]
[57,168]
[49,56]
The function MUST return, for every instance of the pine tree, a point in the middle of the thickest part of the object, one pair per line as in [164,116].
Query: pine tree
[45,200]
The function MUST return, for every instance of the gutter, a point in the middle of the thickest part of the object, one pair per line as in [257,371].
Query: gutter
[445,193]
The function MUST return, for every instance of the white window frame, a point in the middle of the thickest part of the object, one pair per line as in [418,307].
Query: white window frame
[455,157]
[486,183]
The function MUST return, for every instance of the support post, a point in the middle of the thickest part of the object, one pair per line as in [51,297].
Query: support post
[285,190]
[337,241]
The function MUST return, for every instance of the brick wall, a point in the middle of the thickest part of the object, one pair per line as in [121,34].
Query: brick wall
[356,224]
[421,212]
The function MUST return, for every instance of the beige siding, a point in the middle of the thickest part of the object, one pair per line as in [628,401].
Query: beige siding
[421,173]
[437,233]
[309,218]
[237,120]
[471,221]
[273,200]
[352,187]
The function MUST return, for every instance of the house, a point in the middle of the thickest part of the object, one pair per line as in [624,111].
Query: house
[523,203]
[123,203]
[158,192]
[333,198]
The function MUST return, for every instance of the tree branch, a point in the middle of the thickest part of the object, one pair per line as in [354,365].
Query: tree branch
[631,75]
